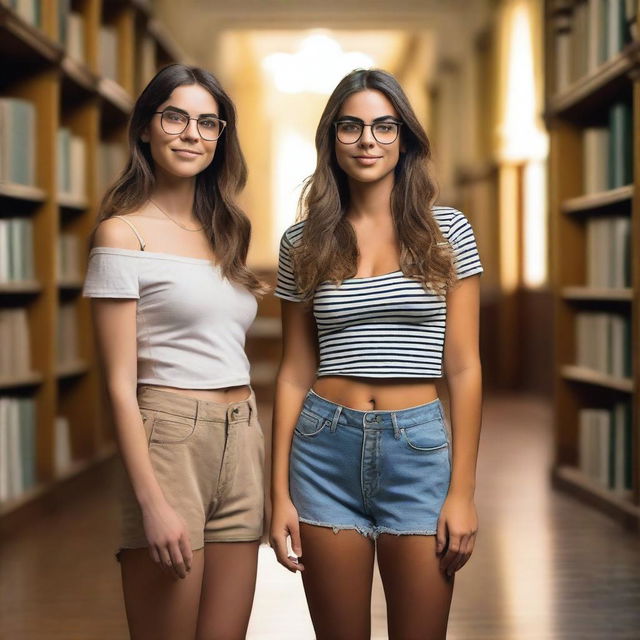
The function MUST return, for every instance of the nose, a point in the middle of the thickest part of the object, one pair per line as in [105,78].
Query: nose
[191,131]
[367,139]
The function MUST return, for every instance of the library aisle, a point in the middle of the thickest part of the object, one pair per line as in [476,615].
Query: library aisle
[545,566]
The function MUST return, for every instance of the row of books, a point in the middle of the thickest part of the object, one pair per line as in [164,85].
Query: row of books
[16,249]
[605,446]
[607,151]
[17,142]
[15,354]
[67,334]
[72,37]
[108,52]
[17,446]
[603,342]
[68,257]
[591,33]
[71,164]
[609,252]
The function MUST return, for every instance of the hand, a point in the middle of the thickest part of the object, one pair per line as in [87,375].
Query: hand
[284,523]
[168,539]
[456,535]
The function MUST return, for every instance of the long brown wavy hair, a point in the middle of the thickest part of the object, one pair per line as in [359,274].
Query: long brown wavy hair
[226,225]
[328,249]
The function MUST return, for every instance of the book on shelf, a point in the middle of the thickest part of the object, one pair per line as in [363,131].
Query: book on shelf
[603,342]
[62,452]
[75,35]
[67,335]
[71,164]
[605,446]
[146,61]
[608,258]
[17,446]
[29,10]
[68,257]
[112,158]
[588,35]
[108,49]
[15,355]
[16,250]
[64,8]
[17,141]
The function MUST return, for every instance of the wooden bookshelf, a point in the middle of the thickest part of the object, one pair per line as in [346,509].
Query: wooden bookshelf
[69,91]
[588,102]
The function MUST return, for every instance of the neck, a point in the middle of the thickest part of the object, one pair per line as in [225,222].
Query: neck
[175,195]
[371,199]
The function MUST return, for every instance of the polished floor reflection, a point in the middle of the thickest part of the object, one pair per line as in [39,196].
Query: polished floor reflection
[545,567]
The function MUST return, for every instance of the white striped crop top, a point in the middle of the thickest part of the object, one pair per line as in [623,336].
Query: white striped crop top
[385,326]
[191,320]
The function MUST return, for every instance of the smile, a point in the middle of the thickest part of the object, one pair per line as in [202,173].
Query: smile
[186,152]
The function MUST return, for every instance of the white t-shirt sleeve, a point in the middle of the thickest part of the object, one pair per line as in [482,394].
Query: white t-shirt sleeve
[111,274]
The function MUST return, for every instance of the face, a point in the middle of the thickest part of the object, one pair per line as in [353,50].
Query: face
[368,160]
[185,154]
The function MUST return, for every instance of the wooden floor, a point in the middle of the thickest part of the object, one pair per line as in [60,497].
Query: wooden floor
[545,567]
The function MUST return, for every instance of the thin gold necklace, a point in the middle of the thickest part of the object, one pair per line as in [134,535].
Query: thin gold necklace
[172,220]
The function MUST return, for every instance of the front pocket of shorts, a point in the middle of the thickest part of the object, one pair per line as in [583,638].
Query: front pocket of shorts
[426,437]
[309,425]
[172,430]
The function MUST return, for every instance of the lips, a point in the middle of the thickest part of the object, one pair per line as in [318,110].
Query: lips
[187,152]
[366,161]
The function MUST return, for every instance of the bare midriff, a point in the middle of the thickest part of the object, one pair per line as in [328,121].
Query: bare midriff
[223,395]
[366,394]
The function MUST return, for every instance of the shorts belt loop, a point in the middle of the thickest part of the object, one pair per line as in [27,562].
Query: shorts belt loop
[195,419]
[396,429]
[336,416]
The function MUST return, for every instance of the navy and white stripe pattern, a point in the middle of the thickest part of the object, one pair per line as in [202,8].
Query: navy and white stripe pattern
[384,326]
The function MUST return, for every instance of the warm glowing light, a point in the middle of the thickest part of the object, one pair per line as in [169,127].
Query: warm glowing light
[535,227]
[316,67]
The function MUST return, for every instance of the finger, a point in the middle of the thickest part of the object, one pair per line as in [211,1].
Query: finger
[185,549]
[462,555]
[451,554]
[280,546]
[153,552]
[177,561]
[441,536]
[165,560]
[296,544]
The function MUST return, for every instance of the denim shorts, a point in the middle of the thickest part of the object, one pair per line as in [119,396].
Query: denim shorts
[371,471]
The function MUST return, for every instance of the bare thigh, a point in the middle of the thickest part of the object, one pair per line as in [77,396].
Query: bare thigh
[159,606]
[418,594]
[337,578]
[228,586]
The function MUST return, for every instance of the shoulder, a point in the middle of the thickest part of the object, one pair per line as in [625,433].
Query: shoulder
[452,222]
[293,234]
[115,233]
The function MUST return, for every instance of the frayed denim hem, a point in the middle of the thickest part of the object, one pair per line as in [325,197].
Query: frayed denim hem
[368,532]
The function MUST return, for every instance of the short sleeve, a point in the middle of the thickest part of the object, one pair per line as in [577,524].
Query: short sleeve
[111,274]
[286,287]
[465,250]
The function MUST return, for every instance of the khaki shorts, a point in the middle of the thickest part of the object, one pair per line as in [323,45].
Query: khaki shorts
[208,458]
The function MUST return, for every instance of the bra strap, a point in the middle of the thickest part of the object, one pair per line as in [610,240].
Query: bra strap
[140,240]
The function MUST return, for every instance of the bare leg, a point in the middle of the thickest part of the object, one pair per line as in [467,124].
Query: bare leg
[159,606]
[228,585]
[337,577]
[410,574]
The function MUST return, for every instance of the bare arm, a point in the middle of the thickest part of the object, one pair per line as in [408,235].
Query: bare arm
[458,522]
[115,326]
[295,377]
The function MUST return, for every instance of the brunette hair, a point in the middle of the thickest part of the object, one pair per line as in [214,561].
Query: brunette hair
[226,225]
[328,248]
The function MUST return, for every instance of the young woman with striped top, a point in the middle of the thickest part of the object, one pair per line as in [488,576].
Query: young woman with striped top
[380,298]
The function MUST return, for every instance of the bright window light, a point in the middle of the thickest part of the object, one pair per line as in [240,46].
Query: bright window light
[316,67]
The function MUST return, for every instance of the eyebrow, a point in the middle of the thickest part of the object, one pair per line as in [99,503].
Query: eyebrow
[186,113]
[354,119]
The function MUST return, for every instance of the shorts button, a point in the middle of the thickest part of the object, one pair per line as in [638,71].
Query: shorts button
[235,411]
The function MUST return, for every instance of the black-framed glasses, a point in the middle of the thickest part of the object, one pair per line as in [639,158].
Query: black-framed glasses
[175,122]
[350,131]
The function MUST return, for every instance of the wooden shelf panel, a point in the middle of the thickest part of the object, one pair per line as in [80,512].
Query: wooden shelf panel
[72,203]
[590,376]
[70,284]
[80,74]
[21,381]
[71,369]
[599,200]
[596,89]
[619,506]
[22,192]
[115,95]
[595,294]
[24,287]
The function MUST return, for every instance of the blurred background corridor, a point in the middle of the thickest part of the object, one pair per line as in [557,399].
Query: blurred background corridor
[532,109]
